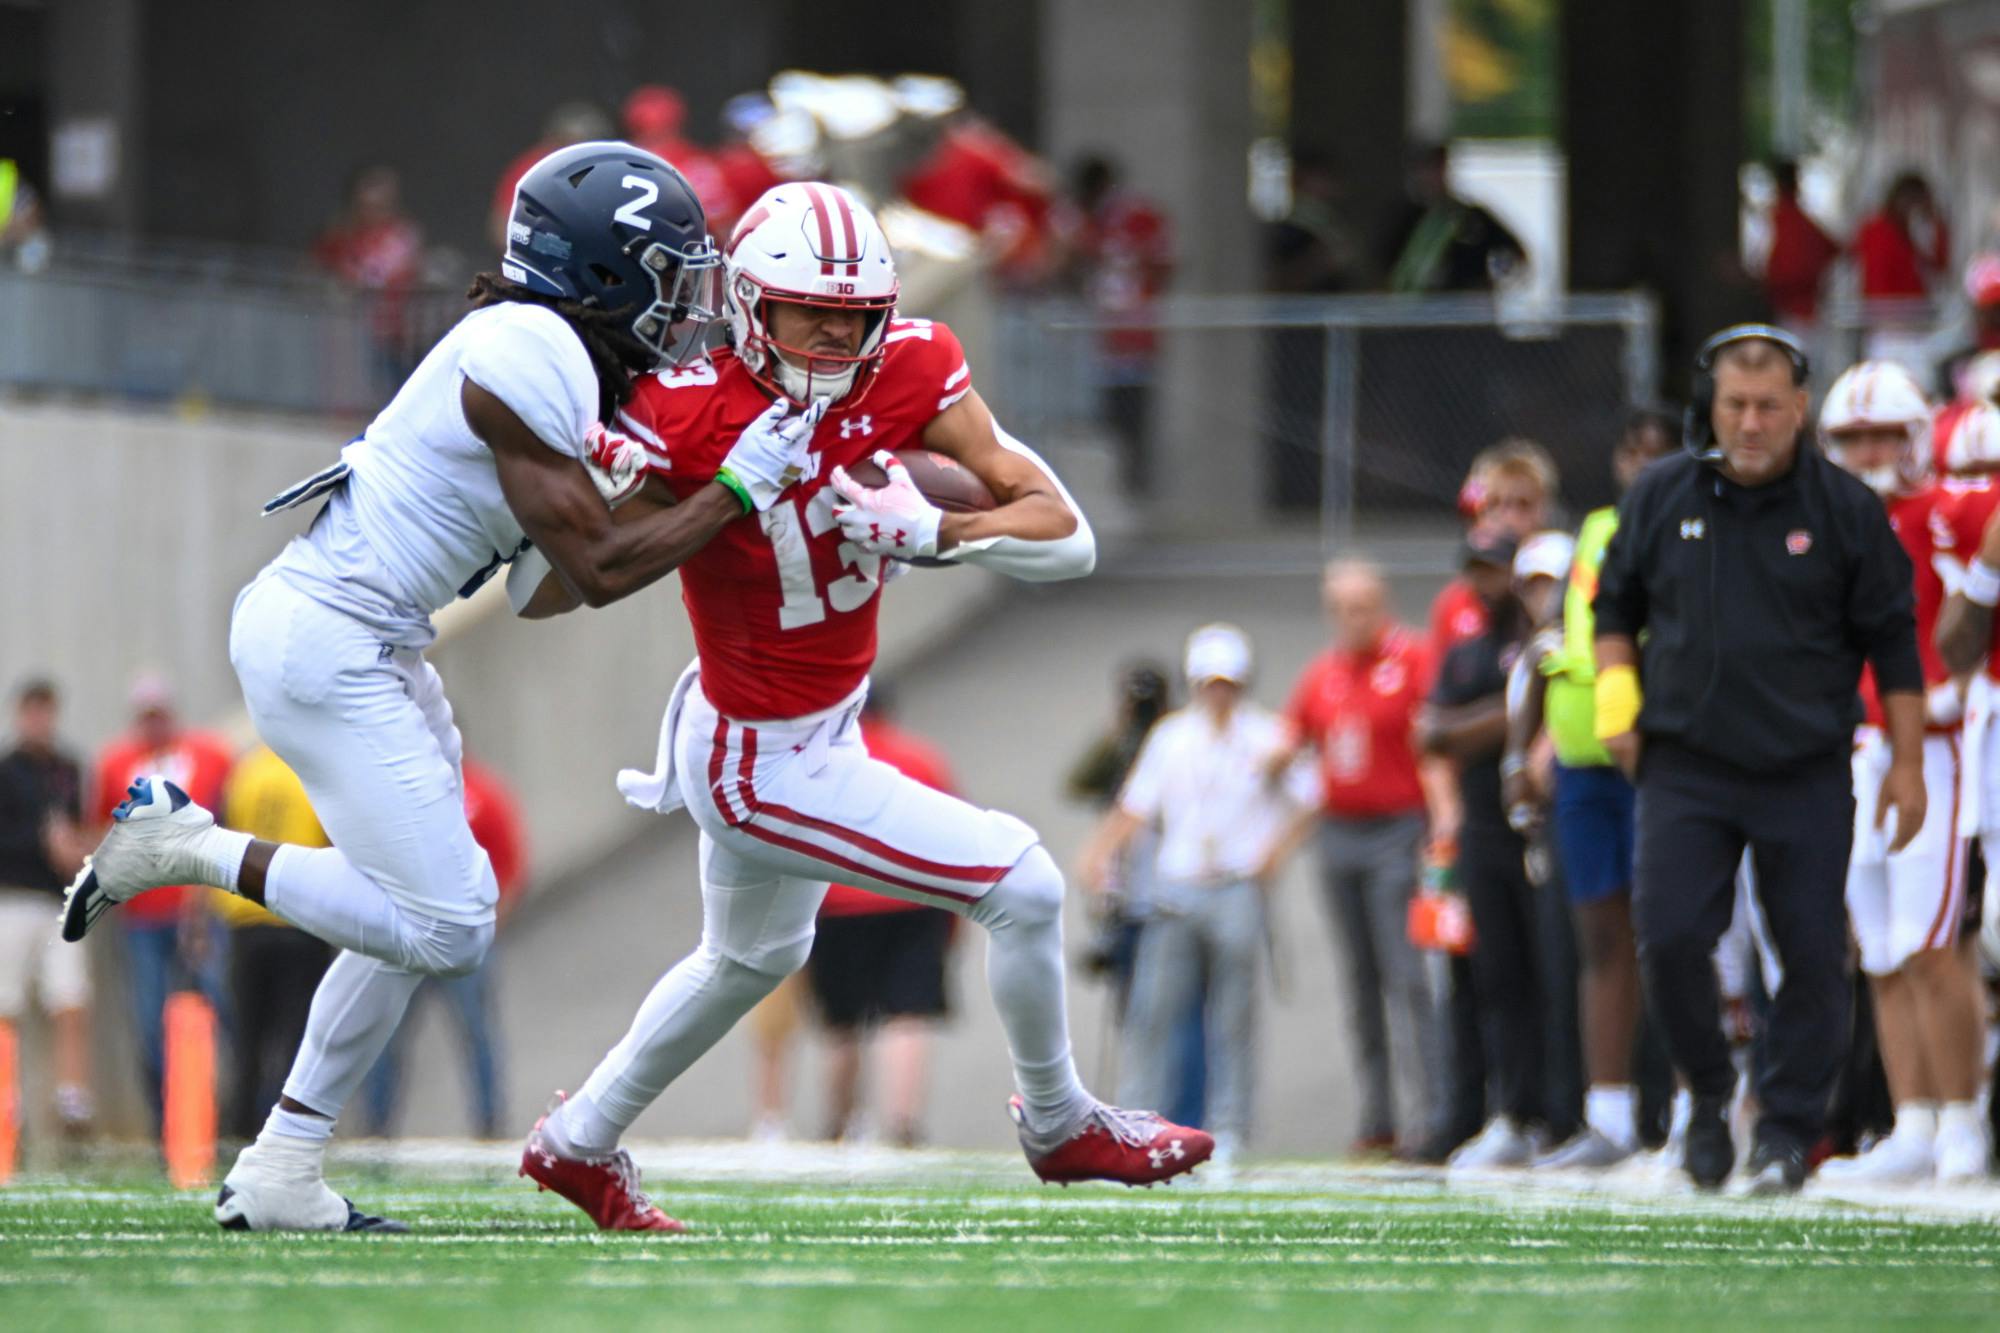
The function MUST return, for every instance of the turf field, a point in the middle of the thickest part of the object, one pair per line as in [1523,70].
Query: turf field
[957,1242]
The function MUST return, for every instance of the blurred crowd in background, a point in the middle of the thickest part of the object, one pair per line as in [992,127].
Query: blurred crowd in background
[1485,948]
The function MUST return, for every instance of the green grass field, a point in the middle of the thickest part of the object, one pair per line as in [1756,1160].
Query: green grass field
[959,1242]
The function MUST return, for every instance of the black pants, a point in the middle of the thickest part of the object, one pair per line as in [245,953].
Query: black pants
[273,971]
[1696,816]
[1507,971]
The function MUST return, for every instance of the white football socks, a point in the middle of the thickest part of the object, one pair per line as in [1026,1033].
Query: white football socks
[216,857]
[1024,971]
[1916,1120]
[687,1011]
[1607,1108]
[292,1131]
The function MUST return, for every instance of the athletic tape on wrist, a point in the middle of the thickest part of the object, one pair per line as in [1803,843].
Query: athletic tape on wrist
[727,480]
[1982,584]
[1618,701]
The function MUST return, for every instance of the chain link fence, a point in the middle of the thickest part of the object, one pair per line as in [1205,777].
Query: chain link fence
[1347,406]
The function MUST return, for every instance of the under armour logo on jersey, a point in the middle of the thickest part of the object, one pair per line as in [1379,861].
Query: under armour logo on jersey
[1159,1156]
[853,426]
[1693,529]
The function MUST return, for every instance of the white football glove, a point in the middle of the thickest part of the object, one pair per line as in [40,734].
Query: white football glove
[893,520]
[770,454]
[616,463]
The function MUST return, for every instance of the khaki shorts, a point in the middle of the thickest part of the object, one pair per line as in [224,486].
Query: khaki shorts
[33,958]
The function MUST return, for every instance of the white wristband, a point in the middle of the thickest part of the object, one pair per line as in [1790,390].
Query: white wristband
[1982,584]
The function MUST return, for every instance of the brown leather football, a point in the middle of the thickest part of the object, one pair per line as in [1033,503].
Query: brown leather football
[945,482]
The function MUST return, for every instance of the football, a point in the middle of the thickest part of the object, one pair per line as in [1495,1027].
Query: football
[945,482]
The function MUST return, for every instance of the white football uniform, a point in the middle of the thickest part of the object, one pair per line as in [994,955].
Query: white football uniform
[1902,903]
[328,640]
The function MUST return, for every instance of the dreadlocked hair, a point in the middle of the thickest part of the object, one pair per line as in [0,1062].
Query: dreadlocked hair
[617,356]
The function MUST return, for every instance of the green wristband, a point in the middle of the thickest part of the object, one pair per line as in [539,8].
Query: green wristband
[727,480]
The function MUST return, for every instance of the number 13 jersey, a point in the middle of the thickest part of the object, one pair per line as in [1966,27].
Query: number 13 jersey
[784,609]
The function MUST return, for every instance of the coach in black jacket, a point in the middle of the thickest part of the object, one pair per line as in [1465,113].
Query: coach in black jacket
[1749,580]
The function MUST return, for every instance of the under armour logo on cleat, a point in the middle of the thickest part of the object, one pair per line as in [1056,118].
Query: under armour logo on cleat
[1160,1155]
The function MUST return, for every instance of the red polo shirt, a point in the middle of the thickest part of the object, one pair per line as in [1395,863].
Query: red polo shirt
[1358,710]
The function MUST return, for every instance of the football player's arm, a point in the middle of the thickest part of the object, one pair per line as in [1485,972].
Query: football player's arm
[1965,624]
[597,558]
[1526,696]
[1037,531]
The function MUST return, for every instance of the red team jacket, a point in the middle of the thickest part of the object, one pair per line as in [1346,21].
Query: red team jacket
[784,609]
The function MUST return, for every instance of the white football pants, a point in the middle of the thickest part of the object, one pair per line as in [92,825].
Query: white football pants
[783,807]
[1903,903]
[405,888]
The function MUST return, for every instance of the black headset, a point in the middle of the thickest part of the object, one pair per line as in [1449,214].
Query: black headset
[1698,425]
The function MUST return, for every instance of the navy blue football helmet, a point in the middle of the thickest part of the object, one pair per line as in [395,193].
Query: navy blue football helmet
[616,227]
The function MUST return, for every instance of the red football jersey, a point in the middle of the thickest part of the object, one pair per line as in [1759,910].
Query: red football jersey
[1964,507]
[783,608]
[1917,524]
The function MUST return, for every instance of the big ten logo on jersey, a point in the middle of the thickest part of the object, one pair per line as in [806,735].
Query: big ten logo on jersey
[792,525]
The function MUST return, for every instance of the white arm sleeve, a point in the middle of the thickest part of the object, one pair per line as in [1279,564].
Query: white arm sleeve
[1069,557]
[530,359]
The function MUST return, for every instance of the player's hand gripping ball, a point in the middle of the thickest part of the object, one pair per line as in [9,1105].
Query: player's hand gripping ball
[895,502]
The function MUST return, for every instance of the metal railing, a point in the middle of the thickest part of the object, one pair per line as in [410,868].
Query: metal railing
[1357,405]
[183,322]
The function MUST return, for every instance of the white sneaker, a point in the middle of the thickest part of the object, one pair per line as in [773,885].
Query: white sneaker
[1587,1150]
[276,1187]
[1898,1159]
[1962,1151]
[147,847]
[1501,1143]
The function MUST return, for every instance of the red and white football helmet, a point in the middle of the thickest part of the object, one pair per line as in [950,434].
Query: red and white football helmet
[817,245]
[1975,442]
[1873,395]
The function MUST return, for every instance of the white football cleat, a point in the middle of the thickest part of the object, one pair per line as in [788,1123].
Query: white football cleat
[1963,1152]
[148,846]
[276,1187]
[1501,1143]
[1900,1159]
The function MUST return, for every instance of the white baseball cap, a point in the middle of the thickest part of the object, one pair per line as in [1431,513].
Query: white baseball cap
[1545,555]
[1218,652]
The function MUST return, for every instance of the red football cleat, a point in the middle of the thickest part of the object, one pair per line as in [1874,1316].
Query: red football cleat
[1130,1147]
[607,1188]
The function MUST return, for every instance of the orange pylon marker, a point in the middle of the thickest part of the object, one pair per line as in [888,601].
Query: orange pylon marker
[10,1098]
[187,1130]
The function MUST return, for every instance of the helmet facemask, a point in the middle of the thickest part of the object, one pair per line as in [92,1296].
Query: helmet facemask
[687,299]
[800,373]
[1906,471]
